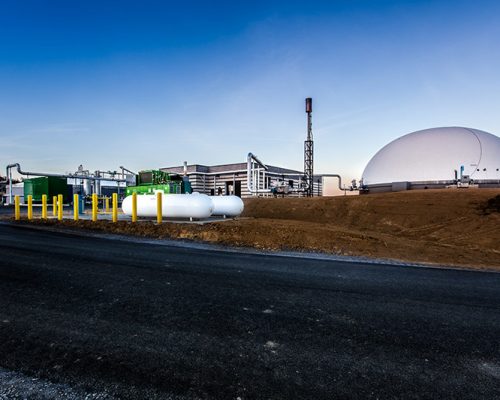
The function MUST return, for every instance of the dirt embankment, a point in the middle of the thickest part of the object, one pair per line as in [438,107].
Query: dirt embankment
[454,227]
[439,226]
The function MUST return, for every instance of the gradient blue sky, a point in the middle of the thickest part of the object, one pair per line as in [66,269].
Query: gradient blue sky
[149,84]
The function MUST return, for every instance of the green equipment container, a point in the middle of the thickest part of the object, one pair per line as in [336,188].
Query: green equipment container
[169,188]
[49,185]
[150,181]
[152,177]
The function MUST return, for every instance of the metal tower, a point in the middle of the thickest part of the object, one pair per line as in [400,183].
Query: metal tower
[309,151]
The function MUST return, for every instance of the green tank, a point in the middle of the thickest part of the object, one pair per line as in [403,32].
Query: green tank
[49,185]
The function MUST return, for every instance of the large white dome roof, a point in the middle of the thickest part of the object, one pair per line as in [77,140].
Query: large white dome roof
[434,155]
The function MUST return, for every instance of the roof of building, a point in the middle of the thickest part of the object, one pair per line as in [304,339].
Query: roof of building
[226,168]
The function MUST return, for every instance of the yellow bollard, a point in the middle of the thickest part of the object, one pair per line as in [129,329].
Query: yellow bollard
[106,202]
[17,208]
[60,207]
[54,206]
[159,215]
[30,207]
[94,207]
[44,206]
[115,207]
[134,207]
[76,201]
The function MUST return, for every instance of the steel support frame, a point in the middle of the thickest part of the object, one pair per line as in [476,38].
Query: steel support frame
[309,158]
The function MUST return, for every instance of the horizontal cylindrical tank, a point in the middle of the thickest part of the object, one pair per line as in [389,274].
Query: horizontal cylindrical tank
[173,205]
[230,206]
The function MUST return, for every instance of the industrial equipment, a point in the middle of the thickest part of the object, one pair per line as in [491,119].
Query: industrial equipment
[48,185]
[151,181]
[280,188]
[85,176]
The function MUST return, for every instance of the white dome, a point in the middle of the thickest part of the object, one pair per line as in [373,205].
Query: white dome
[434,155]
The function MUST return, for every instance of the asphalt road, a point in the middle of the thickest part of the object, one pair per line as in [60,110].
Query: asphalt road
[108,318]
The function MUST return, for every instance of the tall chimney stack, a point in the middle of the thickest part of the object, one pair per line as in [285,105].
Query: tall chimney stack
[309,151]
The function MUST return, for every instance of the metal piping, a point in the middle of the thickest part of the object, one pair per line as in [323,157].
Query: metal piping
[250,159]
[71,176]
[9,167]
[255,158]
[338,177]
[236,171]
[125,169]
[8,174]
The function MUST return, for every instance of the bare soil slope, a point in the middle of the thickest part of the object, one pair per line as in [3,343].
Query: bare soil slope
[454,227]
[436,226]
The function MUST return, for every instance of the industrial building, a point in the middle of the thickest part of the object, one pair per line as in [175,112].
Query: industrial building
[435,158]
[230,179]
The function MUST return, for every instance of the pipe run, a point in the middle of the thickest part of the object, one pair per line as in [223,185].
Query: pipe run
[339,178]
[9,167]
[250,161]
[126,170]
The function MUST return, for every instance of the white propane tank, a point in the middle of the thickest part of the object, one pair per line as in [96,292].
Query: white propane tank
[173,205]
[230,206]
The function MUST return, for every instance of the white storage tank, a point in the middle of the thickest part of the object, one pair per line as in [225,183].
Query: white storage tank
[194,205]
[230,206]
[435,158]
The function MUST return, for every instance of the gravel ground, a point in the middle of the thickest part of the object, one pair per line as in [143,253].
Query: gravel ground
[15,385]
[138,320]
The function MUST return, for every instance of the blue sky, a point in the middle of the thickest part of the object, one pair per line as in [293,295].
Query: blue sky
[149,84]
